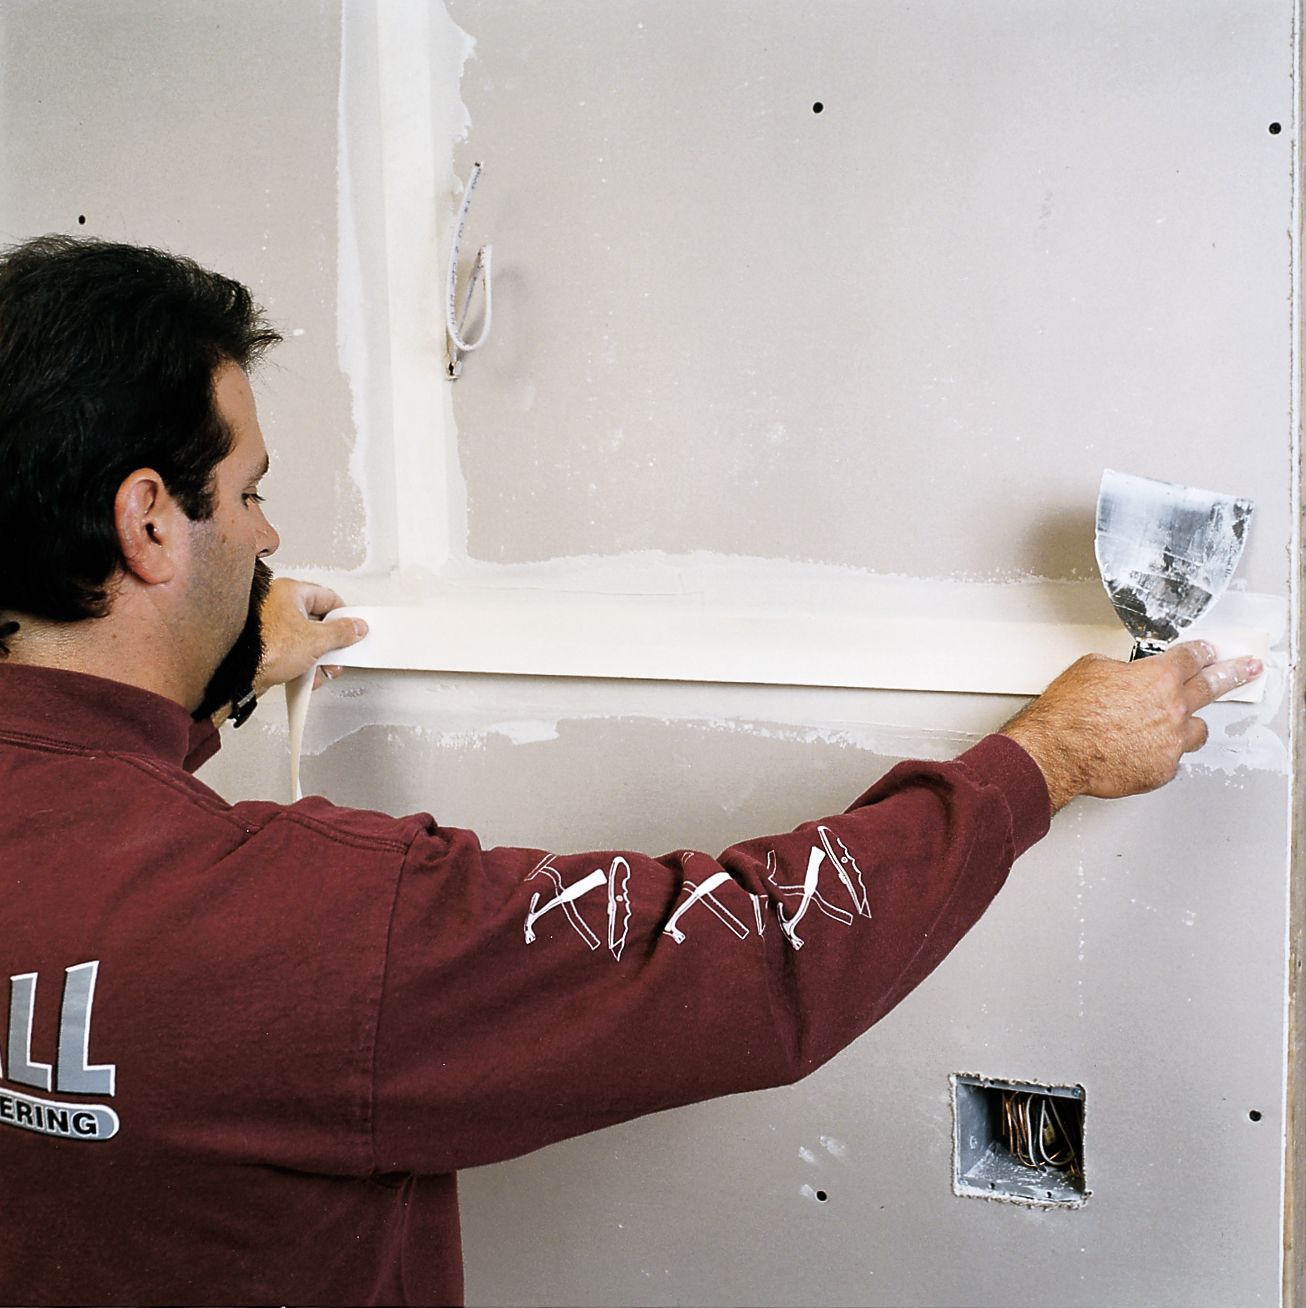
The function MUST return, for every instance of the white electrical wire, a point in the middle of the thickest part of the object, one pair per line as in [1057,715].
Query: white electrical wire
[454,323]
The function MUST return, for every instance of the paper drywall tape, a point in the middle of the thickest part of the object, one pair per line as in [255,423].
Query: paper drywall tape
[677,638]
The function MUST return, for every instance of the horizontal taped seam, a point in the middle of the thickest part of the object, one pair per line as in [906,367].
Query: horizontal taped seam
[628,640]
[623,637]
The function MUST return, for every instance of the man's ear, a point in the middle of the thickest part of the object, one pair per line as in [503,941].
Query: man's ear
[147,519]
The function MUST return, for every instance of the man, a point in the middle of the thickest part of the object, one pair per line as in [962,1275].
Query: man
[250,1045]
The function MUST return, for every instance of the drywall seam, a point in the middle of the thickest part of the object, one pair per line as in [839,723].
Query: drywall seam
[476,706]
[680,640]
[465,711]
[351,341]
[881,739]
[469,717]
[421,53]
[363,336]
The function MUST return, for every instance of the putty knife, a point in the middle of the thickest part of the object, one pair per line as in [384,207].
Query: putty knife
[1165,553]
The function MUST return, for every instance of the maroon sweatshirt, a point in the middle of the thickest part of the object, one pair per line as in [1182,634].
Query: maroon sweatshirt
[249,1045]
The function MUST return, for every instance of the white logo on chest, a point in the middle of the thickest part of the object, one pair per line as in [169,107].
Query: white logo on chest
[72,1074]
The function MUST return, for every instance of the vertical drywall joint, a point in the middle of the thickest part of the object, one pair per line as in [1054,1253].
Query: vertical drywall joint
[421,56]
[357,279]
[1294,1205]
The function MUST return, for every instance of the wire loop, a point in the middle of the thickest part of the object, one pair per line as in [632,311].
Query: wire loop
[455,323]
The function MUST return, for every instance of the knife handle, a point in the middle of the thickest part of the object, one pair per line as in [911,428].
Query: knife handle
[1144,649]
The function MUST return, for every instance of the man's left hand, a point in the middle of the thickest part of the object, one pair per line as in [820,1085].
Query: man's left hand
[297,632]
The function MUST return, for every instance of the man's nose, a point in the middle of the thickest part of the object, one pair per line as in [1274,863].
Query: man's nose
[266,536]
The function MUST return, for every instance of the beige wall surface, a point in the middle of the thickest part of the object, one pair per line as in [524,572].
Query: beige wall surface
[209,130]
[1021,242]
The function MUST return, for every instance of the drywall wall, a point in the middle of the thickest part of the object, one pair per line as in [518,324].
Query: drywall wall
[172,125]
[1028,240]
[876,355]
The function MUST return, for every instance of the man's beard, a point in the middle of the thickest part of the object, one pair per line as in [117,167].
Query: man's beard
[235,674]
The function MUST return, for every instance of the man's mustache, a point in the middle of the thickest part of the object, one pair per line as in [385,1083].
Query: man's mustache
[259,586]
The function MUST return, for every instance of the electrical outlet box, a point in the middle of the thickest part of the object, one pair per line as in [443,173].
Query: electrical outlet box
[1018,1141]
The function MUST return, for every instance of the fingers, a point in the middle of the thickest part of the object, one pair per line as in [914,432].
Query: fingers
[1107,728]
[1202,679]
[337,633]
[1209,683]
[1217,679]
[319,600]
[1186,659]
[312,600]
[1195,732]
[326,672]
[298,631]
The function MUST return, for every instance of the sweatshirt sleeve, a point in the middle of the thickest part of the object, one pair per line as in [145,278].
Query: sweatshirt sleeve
[532,996]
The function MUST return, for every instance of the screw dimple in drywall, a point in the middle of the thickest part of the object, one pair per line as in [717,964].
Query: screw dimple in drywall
[1275,128]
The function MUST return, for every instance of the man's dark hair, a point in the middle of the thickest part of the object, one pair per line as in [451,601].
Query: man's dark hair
[107,358]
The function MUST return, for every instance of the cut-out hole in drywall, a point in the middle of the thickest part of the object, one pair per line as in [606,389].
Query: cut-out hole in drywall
[1019,1141]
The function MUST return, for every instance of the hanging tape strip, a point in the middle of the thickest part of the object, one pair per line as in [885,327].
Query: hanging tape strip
[678,638]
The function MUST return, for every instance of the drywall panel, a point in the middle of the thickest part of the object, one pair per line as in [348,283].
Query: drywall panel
[1134,952]
[1023,248]
[209,130]
[1021,242]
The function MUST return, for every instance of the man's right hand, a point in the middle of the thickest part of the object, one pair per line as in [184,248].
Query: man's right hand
[1107,729]
[297,631]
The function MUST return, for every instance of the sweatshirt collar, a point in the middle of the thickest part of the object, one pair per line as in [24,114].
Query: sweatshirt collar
[92,713]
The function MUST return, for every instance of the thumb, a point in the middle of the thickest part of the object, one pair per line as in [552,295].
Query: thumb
[337,633]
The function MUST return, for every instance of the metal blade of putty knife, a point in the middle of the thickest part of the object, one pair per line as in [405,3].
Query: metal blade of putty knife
[1165,553]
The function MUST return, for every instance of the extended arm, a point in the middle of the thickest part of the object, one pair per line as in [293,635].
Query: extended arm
[532,996]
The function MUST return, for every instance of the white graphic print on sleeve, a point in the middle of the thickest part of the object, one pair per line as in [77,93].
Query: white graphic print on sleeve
[701,892]
[839,855]
[830,850]
[617,881]
[846,865]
